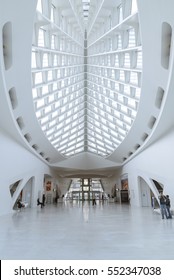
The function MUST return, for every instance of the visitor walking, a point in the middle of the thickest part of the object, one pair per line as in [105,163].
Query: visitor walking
[39,203]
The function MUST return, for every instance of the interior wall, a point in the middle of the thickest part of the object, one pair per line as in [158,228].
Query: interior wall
[156,162]
[18,164]
[64,184]
[112,182]
[55,187]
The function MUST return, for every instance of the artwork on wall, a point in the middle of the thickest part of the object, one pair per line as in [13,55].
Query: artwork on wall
[125,190]
[48,186]
[124,184]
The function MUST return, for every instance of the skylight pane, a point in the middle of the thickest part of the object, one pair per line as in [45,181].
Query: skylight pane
[53,8]
[45,90]
[34,92]
[45,60]
[50,75]
[133,78]
[39,6]
[132,42]
[38,78]
[134,7]
[127,60]
[120,9]
[41,38]
[33,63]
[139,59]
[40,103]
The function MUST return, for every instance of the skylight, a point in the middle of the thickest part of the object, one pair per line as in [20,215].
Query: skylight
[86,6]
[86,99]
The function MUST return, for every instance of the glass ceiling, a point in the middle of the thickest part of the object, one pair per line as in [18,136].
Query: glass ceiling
[86,6]
[86,90]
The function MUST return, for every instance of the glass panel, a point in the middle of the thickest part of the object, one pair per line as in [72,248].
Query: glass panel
[39,6]
[45,60]
[127,60]
[139,59]
[133,78]
[41,38]
[132,42]
[120,12]
[33,62]
[38,78]
[52,13]
[134,6]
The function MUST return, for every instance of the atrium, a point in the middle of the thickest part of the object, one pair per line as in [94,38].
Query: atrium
[86,90]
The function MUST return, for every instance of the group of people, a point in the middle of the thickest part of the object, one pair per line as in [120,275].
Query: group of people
[165,206]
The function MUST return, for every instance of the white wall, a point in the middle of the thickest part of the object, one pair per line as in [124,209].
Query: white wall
[18,164]
[19,160]
[59,186]
[156,162]
[109,183]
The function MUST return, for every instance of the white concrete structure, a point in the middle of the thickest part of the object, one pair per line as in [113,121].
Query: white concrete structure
[86,90]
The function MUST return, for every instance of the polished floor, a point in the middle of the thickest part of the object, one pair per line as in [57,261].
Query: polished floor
[74,231]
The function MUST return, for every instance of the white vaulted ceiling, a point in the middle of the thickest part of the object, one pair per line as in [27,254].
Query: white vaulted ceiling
[86,73]
[101,90]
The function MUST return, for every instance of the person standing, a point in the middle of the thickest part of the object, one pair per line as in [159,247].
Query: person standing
[153,202]
[169,215]
[162,200]
[102,197]
[93,199]
[43,199]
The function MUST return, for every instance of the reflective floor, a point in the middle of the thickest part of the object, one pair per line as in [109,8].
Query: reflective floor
[74,231]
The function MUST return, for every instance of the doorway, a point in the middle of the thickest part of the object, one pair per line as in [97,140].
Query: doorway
[124,194]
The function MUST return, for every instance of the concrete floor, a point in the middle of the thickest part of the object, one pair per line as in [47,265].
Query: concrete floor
[74,231]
